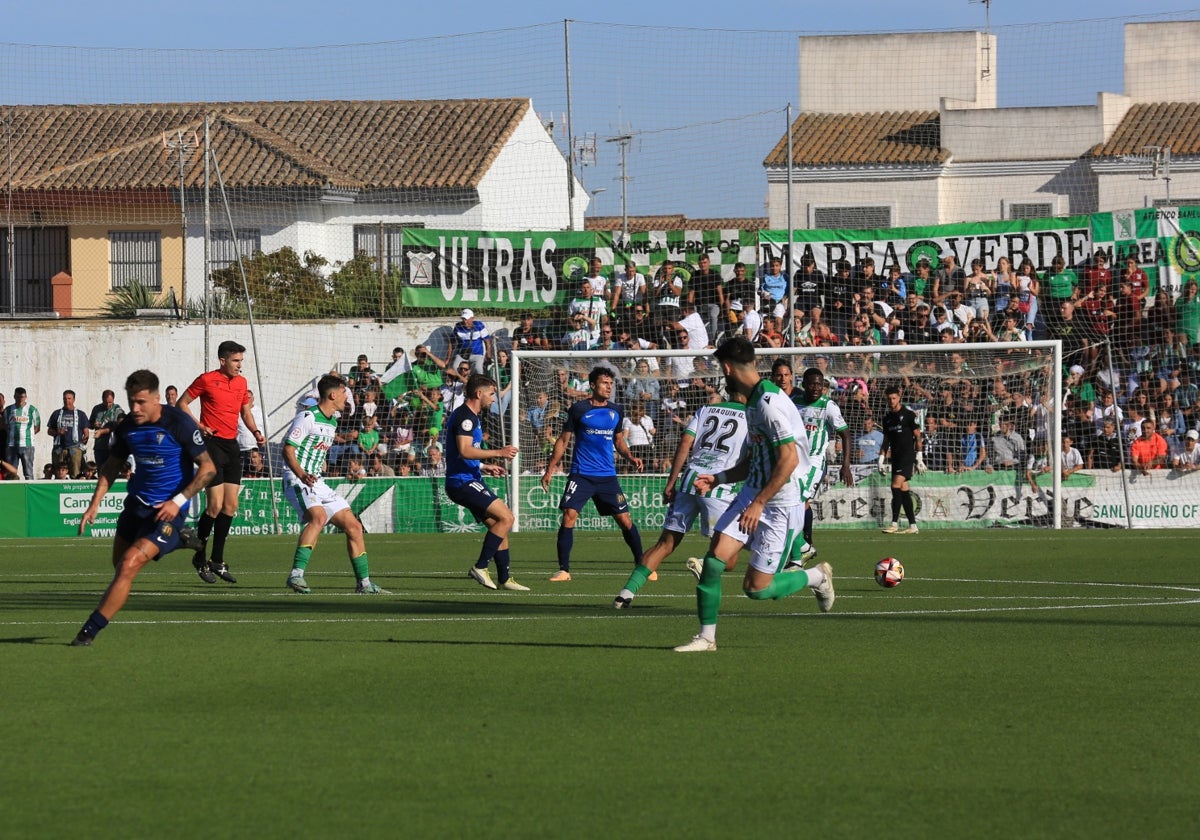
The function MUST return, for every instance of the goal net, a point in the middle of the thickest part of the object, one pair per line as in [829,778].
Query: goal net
[990,414]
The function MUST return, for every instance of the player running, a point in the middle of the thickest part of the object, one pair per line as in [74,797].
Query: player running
[713,442]
[595,423]
[168,448]
[766,513]
[465,486]
[304,451]
[822,419]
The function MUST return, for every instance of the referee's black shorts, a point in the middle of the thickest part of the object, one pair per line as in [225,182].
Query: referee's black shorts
[227,458]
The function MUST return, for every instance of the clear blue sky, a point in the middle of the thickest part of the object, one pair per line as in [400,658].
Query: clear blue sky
[273,23]
[703,89]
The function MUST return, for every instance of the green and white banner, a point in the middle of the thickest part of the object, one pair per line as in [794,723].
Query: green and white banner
[493,269]
[1038,240]
[723,248]
[1164,240]
[1163,499]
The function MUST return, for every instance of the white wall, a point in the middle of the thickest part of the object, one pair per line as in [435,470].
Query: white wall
[47,358]
[526,187]
[848,74]
[1122,191]
[913,201]
[1162,63]
[1068,186]
[1020,133]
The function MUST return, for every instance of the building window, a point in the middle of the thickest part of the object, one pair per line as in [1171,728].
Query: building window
[388,251]
[225,250]
[1030,209]
[852,217]
[135,256]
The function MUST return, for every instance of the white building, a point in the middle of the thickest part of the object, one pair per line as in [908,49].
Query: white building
[897,142]
[97,189]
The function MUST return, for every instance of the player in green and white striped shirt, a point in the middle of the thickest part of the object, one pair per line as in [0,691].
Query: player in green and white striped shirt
[23,422]
[822,419]
[305,448]
[713,442]
[765,516]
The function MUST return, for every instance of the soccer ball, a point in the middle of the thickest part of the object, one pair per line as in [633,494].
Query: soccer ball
[889,572]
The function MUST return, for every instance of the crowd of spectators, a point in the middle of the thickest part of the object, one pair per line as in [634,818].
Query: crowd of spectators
[1130,401]
[1124,348]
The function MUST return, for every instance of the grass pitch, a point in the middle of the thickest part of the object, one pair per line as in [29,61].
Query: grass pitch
[1016,684]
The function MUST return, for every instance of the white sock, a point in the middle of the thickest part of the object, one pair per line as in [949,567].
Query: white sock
[709,632]
[624,593]
[815,576]
[297,573]
[365,581]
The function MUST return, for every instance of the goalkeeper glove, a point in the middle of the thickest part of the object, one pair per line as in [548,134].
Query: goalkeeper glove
[921,463]
[881,467]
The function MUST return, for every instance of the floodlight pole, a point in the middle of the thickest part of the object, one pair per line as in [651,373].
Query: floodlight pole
[787,256]
[11,242]
[624,141]
[207,241]
[570,131]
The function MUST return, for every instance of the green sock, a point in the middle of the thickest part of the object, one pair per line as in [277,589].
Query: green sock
[360,564]
[637,578]
[708,590]
[781,586]
[303,555]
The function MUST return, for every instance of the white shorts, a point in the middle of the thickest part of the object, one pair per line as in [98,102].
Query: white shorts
[818,485]
[302,497]
[771,542]
[687,506]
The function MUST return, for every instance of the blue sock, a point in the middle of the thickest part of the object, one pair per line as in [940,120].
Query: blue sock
[491,544]
[94,624]
[502,562]
[566,539]
[633,539]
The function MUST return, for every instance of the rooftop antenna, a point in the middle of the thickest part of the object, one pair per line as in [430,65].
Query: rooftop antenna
[986,70]
[1156,161]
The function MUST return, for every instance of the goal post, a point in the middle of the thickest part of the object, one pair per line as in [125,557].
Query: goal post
[950,387]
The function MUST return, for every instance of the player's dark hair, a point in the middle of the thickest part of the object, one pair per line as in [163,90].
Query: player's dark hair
[329,383]
[475,382]
[597,372]
[892,389]
[68,391]
[141,380]
[227,348]
[812,371]
[738,350]
[780,363]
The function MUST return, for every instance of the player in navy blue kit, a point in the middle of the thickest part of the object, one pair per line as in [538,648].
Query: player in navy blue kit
[595,424]
[465,486]
[172,466]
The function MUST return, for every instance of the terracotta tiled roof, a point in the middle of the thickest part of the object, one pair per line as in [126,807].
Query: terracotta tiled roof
[393,145]
[1173,124]
[641,224]
[862,139]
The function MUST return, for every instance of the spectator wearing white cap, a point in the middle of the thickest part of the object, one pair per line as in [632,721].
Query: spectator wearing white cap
[471,337]
[1079,386]
[1189,459]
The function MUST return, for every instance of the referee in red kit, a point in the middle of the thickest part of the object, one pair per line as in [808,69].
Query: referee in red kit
[223,396]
